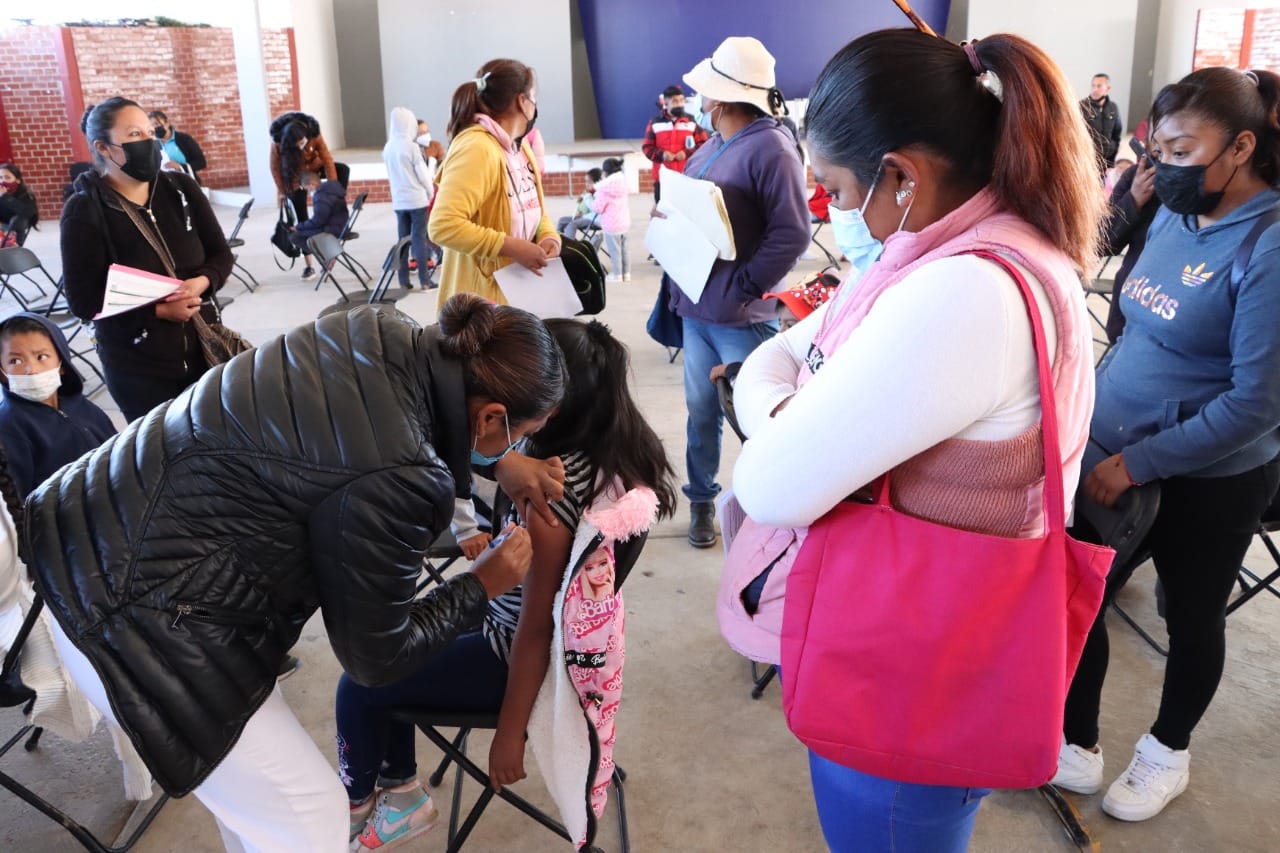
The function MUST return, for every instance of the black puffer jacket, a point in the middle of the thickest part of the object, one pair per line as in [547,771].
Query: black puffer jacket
[184,555]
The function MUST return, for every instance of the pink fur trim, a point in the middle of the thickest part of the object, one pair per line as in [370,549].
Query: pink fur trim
[629,515]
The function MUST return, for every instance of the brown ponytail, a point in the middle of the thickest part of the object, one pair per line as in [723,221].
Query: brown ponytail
[508,355]
[1046,169]
[495,88]
[893,89]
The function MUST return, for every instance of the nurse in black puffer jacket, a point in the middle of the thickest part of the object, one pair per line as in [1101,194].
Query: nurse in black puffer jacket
[182,558]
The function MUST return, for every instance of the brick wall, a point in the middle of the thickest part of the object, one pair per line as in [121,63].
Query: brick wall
[188,72]
[33,99]
[1238,38]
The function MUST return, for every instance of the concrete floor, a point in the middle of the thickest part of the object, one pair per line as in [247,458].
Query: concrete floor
[709,769]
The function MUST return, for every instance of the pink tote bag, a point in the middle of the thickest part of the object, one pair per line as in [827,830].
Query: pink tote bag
[921,653]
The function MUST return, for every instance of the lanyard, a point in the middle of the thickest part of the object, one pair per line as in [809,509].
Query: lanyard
[716,155]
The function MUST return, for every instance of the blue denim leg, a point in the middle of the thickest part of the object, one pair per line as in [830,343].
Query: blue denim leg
[865,813]
[705,346]
[422,248]
[466,676]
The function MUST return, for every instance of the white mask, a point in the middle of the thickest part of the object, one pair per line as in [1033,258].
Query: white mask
[36,387]
[424,140]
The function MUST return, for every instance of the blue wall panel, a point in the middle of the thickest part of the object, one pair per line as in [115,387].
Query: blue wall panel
[636,49]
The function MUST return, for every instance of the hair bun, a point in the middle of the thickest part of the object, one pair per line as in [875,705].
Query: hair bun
[467,321]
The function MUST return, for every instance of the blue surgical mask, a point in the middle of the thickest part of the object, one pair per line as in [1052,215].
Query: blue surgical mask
[704,119]
[480,460]
[853,237]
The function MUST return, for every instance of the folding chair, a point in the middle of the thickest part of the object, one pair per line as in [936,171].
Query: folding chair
[15,261]
[328,251]
[14,693]
[234,241]
[16,231]
[390,269]
[429,721]
[760,678]
[832,260]
[348,233]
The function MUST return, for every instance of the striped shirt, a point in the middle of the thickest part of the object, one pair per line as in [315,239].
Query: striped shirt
[504,611]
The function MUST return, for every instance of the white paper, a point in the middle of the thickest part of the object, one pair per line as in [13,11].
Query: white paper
[702,203]
[129,288]
[680,248]
[548,295]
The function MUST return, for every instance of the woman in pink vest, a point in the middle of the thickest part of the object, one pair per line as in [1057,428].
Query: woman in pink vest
[926,368]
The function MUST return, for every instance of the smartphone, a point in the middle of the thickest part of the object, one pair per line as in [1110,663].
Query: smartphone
[1138,147]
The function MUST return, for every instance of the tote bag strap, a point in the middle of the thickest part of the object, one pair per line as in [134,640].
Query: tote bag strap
[1054,491]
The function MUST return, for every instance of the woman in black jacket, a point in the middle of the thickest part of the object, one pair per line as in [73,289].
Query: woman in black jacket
[150,354]
[182,558]
[19,212]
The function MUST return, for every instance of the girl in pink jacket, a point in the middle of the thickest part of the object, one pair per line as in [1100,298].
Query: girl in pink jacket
[612,202]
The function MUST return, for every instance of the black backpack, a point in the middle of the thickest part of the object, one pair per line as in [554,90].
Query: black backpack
[585,271]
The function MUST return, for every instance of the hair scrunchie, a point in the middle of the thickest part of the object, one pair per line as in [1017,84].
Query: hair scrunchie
[481,82]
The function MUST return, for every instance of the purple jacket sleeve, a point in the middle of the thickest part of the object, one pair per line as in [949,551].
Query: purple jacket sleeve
[786,232]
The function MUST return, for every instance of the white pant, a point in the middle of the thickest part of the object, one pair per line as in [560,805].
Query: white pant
[273,793]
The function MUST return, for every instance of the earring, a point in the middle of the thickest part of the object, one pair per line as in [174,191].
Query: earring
[901,196]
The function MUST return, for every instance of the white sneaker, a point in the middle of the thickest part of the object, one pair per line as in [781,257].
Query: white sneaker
[1079,770]
[1153,778]
[626,276]
[613,278]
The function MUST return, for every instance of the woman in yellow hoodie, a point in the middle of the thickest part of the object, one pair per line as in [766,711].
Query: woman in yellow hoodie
[489,209]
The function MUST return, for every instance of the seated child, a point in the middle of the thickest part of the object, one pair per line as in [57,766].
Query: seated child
[607,447]
[583,217]
[45,420]
[801,301]
[328,213]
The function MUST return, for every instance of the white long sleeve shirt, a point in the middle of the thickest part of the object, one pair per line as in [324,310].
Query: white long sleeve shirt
[945,353]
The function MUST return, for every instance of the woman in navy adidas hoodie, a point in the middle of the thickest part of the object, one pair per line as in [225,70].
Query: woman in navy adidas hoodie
[1190,397]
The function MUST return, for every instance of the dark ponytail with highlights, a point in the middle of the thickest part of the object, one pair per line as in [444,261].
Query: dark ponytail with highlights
[1235,101]
[495,88]
[893,89]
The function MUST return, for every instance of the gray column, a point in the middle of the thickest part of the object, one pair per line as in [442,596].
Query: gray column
[255,114]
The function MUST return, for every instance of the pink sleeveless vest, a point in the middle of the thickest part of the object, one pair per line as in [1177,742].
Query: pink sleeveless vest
[985,486]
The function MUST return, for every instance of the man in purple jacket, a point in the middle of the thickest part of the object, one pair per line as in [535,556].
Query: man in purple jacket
[754,160]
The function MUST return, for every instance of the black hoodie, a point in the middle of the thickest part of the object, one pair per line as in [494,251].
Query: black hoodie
[40,439]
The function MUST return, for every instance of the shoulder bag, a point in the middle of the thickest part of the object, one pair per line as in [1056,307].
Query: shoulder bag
[922,653]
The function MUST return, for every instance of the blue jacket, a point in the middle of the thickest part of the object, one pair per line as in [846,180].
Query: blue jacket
[762,179]
[328,210]
[40,439]
[1192,387]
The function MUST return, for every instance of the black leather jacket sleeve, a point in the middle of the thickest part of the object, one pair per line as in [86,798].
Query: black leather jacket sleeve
[368,541]
[1122,216]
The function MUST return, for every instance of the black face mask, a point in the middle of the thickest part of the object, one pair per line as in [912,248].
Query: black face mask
[161,132]
[141,159]
[1181,188]
[529,127]
[676,112]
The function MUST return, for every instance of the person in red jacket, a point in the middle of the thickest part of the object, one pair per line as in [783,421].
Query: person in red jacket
[672,136]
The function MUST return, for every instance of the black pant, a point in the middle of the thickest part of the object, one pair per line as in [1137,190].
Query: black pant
[657,192]
[298,198]
[1197,543]
[137,394]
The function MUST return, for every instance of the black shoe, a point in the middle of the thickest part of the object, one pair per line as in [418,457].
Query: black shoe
[702,524]
[309,274]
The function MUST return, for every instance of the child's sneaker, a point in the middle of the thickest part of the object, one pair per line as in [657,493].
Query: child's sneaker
[398,816]
[1153,778]
[360,816]
[1079,770]
[309,274]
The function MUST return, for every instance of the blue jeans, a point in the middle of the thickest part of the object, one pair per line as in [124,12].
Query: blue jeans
[868,814]
[413,224]
[705,346]
[465,677]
